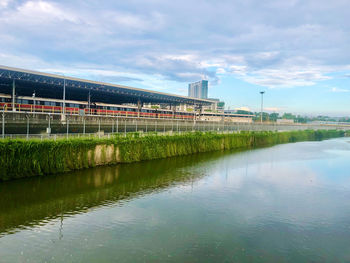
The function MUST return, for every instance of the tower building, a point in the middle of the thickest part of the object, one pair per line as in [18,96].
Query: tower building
[198,89]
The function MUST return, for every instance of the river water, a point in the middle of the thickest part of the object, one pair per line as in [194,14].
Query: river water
[286,203]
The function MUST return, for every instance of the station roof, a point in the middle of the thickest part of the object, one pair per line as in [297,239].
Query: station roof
[51,86]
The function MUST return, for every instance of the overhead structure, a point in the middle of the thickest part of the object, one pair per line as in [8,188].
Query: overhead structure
[27,82]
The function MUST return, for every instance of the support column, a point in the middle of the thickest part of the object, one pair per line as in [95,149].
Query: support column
[194,114]
[49,128]
[13,95]
[139,107]
[3,125]
[89,103]
[63,118]
[99,128]
[173,109]
[84,125]
[67,127]
[27,127]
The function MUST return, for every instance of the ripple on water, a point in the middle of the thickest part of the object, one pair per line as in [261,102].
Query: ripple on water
[287,203]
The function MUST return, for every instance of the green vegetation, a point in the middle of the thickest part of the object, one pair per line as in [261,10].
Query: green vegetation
[21,158]
[244,112]
[221,104]
[297,118]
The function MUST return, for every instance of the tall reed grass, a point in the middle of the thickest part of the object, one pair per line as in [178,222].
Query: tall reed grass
[22,158]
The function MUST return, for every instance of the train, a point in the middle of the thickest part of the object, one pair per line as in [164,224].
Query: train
[72,107]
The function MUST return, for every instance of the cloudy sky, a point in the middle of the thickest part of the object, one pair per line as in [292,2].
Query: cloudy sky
[296,51]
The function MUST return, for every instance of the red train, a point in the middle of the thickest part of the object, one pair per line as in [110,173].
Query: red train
[45,105]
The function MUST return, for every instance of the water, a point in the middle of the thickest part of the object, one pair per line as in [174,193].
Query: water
[287,203]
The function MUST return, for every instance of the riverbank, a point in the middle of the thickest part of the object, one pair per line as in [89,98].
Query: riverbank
[24,158]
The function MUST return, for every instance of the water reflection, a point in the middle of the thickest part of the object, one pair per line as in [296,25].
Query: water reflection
[29,202]
[288,203]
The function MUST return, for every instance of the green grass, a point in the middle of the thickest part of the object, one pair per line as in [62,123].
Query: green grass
[22,158]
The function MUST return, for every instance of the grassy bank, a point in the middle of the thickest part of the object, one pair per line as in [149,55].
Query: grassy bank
[21,158]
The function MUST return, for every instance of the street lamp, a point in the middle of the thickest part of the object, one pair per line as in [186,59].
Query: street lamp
[262,101]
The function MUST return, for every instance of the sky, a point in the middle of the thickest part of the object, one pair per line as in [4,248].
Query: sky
[298,52]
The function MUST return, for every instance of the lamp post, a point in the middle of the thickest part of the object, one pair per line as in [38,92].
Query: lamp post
[262,101]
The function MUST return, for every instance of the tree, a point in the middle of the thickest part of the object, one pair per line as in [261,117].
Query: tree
[265,116]
[288,116]
[274,116]
[301,119]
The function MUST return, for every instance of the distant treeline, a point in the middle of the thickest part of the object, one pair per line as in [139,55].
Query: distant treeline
[289,116]
[24,158]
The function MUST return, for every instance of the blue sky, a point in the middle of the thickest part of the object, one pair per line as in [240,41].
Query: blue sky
[296,51]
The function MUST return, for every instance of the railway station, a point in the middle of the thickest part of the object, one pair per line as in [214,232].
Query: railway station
[34,103]
[32,91]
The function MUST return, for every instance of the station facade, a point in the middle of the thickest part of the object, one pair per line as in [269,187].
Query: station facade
[32,91]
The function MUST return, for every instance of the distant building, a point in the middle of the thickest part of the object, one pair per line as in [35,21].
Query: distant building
[220,106]
[217,105]
[230,111]
[285,121]
[198,89]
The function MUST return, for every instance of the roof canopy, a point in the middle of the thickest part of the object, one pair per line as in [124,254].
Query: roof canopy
[51,86]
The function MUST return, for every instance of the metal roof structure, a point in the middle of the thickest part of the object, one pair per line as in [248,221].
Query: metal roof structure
[51,86]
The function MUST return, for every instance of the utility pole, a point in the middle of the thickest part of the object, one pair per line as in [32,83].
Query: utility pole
[262,103]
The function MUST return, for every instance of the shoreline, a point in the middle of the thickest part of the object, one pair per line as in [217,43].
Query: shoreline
[26,158]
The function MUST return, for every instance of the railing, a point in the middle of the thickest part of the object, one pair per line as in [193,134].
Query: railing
[44,125]
[47,128]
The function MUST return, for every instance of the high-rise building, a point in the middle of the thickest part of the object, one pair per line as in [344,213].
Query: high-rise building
[198,89]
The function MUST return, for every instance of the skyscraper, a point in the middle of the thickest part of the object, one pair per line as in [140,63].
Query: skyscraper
[198,89]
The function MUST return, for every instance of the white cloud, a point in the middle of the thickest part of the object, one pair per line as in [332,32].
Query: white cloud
[272,109]
[243,108]
[39,12]
[284,78]
[165,38]
[335,89]
[4,3]
[24,60]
